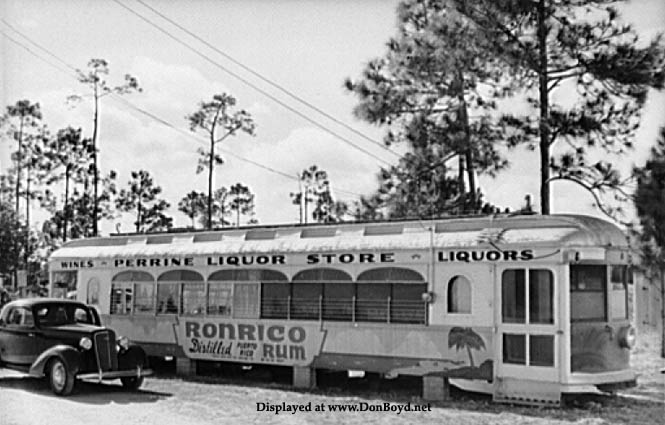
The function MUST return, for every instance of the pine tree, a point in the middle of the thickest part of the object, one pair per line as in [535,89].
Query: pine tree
[141,197]
[193,205]
[242,202]
[579,48]
[69,155]
[218,121]
[94,79]
[21,122]
[649,201]
[436,91]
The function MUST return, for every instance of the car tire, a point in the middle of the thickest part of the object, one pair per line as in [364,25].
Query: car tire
[132,383]
[60,378]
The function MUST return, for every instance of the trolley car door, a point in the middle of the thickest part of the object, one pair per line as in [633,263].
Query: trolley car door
[527,344]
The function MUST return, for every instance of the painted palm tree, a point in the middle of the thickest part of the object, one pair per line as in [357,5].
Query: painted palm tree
[465,338]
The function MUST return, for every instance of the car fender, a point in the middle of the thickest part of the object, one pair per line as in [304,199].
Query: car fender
[131,357]
[66,353]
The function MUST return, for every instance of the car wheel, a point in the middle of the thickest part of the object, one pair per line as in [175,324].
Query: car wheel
[132,383]
[60,378]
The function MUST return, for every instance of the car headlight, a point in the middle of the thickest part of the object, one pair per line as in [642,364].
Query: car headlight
[123,342]
[627,337]
[85,343]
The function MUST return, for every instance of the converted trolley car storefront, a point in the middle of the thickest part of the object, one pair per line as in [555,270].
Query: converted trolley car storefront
[525,308]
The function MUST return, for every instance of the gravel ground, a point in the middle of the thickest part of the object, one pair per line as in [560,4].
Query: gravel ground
[170,400]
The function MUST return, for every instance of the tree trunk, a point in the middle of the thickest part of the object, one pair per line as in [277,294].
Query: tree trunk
[18,166]
[662,311]
[94,163]
[210,165]
[471,362]
[138,217]
[238,211]
[306,202]
[544,110]
[460,182]
[472,181]
[27,194]
[301,198]
[66,209]
[468,151]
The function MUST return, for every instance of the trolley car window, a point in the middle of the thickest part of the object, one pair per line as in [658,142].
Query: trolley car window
[321,275]
[514,349]
[167,296]
[372,302]
[459,295]
[338,299]
[306,300]
[275,300]
[541,350]
[541,294]
[245,293]
[123,291]
[254,275]
[173,285]
[391,274]
[390,294]
[620,278]
[513,296]
[193,298]
[407,304]
[92,296]
[144,297]
[322,293]
[219,298]
[246,300]
[588,293]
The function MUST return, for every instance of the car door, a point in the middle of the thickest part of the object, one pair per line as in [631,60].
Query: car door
[20,341]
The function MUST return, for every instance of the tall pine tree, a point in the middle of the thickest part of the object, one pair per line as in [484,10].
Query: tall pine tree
[436,91]
[650,203]
[587,76]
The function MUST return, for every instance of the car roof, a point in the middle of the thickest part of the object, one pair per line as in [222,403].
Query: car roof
[29,302]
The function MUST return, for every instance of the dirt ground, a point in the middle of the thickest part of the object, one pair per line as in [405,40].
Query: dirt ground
[166,400]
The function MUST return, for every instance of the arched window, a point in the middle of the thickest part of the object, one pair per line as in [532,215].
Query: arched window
[132,291]
[391,274]
[322,293]
[173,285]
[459,295]
[93,291]
[322,274]
[391,294]
[242,286]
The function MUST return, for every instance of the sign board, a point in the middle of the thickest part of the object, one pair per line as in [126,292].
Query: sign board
[292,344]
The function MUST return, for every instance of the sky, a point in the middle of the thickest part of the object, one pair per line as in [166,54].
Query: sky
[307,47]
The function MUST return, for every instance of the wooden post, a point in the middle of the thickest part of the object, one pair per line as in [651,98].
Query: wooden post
[304,377]
[436,388]
[185,366]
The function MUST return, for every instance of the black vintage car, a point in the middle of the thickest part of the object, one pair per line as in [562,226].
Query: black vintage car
[65,340]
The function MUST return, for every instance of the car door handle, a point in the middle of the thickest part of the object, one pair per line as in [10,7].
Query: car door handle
[31,334]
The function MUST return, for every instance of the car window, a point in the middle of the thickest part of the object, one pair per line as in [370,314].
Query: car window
[20,317]
[41,313]
[82,315]
[63,314]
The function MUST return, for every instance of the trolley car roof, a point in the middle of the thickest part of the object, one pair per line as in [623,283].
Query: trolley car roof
[554,230]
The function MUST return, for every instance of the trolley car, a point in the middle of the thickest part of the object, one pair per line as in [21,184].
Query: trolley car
[524,307]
